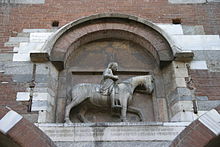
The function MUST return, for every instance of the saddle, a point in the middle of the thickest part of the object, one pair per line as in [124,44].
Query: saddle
[113,95]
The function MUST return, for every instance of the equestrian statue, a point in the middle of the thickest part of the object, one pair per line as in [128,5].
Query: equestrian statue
[110,93]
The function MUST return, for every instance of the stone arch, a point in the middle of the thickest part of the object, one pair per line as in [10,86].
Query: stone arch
[94,27]
[204,131]
[20,132]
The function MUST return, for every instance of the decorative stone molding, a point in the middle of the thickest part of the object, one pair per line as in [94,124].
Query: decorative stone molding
[138,30]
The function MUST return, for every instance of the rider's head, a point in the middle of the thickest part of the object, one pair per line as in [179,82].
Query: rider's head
[113,66]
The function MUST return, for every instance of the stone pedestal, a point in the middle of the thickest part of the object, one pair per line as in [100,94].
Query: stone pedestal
[112,132]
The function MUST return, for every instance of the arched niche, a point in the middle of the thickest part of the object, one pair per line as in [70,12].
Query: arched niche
[75,49]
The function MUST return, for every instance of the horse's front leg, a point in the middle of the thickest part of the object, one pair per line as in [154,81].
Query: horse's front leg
[123,114]
[124,111]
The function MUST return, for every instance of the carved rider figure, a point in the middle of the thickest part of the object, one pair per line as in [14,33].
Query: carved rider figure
[108,79]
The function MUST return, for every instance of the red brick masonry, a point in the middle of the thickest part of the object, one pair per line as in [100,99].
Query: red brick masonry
[26,134]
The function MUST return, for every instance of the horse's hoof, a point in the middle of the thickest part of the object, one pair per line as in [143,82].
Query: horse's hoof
[124,120]
[68,121]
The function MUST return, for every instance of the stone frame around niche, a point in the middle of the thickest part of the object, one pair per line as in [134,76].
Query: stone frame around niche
[160,45]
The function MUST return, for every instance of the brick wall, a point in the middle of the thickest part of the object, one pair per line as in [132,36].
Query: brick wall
[15,17]
[207,83]
[8,91]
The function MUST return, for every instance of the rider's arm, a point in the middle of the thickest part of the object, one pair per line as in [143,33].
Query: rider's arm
[109,74]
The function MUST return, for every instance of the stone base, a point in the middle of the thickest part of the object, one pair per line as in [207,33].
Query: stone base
[115,144]
[113,132]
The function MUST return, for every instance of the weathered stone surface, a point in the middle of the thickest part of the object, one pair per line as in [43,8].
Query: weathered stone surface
[202,98]
[62,91]
[6,57]
[114,144]
[171,29]
[213,65]
[200,42]
[178,64]
[182,106]
[122,132]
[2,67]
[180,72]
[11,44]
[25,96]
[183,116]
[193,30]
[201,65]
[18,39]
[187,116]
[12,68]
[162,109]
[38,30]
[206,55]
[45,117]
[60,110]
[22,71]
[23,34]
[182,94]
[31,117]
[27,47]
[21,57]
[39,37]
[207,105]
[40,105]
[180,82]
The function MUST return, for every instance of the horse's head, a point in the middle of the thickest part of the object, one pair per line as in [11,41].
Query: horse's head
[149,83]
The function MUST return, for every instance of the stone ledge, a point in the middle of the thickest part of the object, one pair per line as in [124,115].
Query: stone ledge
[114,132]
[113,124]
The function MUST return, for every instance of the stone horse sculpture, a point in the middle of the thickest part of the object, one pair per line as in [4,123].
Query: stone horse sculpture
[124,92]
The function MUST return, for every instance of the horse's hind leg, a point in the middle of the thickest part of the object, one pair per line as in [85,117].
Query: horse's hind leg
[70,106]
[81,114]
[136,111]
